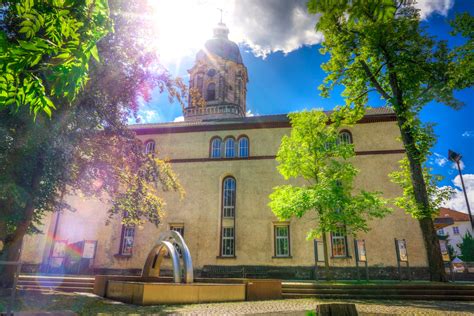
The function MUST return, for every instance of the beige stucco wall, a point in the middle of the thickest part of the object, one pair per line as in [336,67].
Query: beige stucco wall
[200,210]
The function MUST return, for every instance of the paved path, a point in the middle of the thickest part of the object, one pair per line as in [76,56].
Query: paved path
[301,306]
[89,304]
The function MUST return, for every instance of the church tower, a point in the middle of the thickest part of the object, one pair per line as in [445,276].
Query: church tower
[218,80]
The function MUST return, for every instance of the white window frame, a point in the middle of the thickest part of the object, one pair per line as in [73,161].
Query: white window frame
[230,149]
[216,146]
[127,240]
[339,238]
[150,147]
[229,199]
[243,150]
[345,137]
[281,238]
[228,242]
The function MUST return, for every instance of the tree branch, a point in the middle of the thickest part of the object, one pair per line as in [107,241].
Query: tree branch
[374,81]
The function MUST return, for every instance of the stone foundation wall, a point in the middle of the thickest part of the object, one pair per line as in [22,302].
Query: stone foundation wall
[310,273]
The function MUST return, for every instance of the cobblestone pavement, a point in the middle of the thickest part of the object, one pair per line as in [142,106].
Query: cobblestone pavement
[301,306]
[89,304]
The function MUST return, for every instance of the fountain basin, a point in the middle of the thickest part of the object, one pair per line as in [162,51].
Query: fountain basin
[150,293]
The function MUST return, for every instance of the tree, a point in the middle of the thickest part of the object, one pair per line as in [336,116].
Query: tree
[313,152]
[85,145]
[467,247]
[45,48]
[378,47]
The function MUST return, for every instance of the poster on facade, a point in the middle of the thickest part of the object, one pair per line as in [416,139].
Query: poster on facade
[444,250]
[402,250]
[88,252]
[59,249]
[319,250]
[361,253]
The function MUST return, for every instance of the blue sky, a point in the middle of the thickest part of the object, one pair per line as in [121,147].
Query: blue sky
[287,78]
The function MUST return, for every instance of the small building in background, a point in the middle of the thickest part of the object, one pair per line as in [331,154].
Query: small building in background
[457,227]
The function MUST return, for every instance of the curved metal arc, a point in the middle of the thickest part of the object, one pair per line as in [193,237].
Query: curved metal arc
[157,251]
[176,237]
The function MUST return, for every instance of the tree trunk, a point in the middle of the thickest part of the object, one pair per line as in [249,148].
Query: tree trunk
[402,111]
[13,242]
[433,251]
[326,259]
[11,252]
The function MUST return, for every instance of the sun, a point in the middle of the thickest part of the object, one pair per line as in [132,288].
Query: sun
[183,26]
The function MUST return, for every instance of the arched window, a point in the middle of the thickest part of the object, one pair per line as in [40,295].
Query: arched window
[345,137]
[211,92]
[228,198]
[216,145]
[228,212]
[230,148]
[243,146]
[149,147]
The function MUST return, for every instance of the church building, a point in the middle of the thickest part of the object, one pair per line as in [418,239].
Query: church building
[225,162]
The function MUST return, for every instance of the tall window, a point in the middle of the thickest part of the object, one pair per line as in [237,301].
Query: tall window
[229,148]
[228,198]
[149,147]
[216,148]
[455,230]
[339,243]
[228,244]
[282,240]
[211,92]
[243,147]
[126,241]
[345,138]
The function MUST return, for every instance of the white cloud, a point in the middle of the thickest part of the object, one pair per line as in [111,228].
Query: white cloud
[468,134]
[458,201]
[274,25]
[179,119]
[264,26]
[440,160]
[249,113]
[427,7]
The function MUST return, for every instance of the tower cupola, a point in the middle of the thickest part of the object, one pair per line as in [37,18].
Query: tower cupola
[218,80]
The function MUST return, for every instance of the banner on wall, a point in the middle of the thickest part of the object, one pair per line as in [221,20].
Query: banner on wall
[402,250]
[361,252]
[88,252]
[59,249]
[443,245]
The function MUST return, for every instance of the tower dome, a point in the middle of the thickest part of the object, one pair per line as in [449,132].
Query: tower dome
[221,46]
[218,80]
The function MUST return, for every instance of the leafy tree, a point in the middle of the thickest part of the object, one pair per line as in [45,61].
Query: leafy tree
[314,153]
[378,47]
[467,247]
[86,145]
[45,48]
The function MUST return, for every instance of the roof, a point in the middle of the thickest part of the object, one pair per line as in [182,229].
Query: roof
[224,48]
[373,114]
[455,215]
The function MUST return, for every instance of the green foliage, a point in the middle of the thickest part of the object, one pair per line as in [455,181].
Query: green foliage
[87,147]
[378,48]
[319,162]
[45,48]
[467,247]
[408,202]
